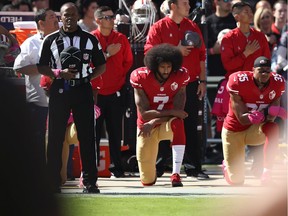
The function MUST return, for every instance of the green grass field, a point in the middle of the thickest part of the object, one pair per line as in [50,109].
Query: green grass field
[148,206]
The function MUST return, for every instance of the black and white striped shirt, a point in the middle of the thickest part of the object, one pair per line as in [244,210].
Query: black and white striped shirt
[90,47]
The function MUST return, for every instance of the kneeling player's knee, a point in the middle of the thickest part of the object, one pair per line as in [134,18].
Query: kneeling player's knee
[236,174]
[236,179]
[147,173]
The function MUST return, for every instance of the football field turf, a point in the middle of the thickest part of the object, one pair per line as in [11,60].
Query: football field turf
[149,205]
[213,197]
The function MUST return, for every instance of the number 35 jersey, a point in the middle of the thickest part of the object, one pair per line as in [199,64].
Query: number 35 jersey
[160,96]
[242,83]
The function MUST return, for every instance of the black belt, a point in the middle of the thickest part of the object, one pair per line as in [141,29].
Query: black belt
[78,82]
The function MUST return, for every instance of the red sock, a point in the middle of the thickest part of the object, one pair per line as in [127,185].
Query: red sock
[179,137]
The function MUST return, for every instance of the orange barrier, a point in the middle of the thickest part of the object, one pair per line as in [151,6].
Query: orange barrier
[103,168]
[23,30]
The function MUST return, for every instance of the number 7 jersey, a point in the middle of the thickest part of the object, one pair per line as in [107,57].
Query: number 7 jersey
[242,83]
[160,96]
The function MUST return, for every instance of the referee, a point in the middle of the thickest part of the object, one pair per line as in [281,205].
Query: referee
[72,57]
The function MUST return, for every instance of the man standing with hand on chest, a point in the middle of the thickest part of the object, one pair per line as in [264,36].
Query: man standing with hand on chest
[110,97]
[72,57]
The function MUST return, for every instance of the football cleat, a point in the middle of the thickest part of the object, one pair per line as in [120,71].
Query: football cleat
[176,180]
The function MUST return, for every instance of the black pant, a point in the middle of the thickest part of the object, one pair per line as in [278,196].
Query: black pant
[193,149]
[38,117]
[112,113]
[80,100]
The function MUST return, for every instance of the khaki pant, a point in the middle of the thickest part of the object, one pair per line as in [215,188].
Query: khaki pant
[147,150]
[234,150]
[70,138]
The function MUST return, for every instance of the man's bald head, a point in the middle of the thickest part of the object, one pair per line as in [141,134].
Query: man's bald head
[67,5]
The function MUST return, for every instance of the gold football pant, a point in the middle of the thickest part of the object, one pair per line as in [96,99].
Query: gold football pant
[234,150]
[147,150]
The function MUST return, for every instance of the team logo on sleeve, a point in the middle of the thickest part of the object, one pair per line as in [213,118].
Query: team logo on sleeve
[272,95]
[174,86]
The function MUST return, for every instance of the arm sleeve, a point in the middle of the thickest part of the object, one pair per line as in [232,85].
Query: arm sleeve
[153,38]
[135,79]
[232,84]
[28,56]
[185,76]
[45,52]
[229,60]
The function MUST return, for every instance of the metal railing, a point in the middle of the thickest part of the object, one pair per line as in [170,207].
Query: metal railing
[7,72]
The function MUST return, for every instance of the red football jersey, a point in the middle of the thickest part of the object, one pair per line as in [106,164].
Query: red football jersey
[242,83]
[159,96]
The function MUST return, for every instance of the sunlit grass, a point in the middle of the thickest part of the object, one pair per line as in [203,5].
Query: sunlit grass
[147,205]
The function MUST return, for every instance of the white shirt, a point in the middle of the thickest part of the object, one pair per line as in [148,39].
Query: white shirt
[30,56]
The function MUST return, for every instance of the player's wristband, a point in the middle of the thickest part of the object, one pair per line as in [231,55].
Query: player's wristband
[211,50]
[256,117]
[276,111]
[97,111]
[56,72]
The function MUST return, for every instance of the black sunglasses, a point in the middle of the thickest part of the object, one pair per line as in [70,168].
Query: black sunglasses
[107,17]
[264,71]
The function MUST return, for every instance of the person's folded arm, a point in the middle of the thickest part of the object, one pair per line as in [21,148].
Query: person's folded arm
[28,70]
[239,108]
[143,107]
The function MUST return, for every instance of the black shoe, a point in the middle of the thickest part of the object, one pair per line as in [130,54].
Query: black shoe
[117,175]
[57,190]
[71,178]
[200,175]
[159,173]
[91,189]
